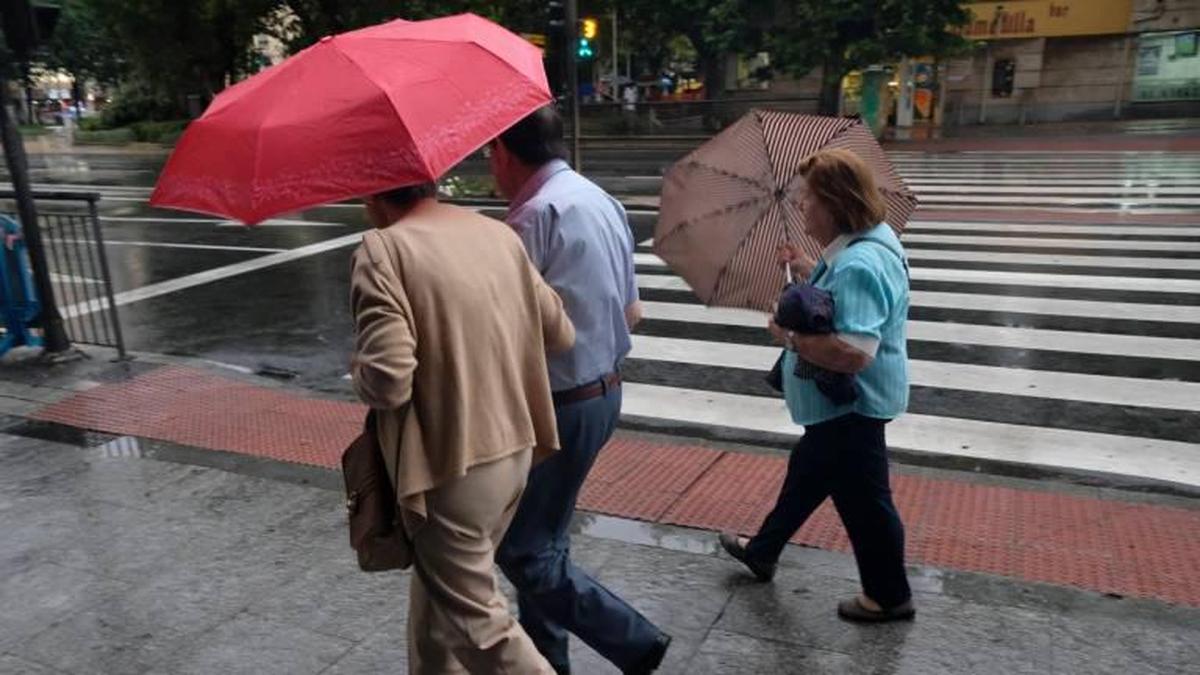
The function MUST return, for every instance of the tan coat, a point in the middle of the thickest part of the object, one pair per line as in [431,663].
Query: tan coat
[450,313]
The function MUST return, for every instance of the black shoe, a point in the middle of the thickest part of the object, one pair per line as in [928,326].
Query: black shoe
[762,571]
[653,658]
[853,610]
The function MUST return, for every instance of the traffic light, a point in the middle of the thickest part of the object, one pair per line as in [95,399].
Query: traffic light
[591,28]
[585,49]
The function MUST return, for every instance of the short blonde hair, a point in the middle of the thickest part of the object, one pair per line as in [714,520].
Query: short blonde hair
[845,186]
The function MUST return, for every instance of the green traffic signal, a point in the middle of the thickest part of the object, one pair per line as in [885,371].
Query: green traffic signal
[585,49]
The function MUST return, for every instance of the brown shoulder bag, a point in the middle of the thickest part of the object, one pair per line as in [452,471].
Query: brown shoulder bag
[376,531]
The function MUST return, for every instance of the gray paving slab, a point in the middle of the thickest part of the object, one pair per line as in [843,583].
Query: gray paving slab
[255,645]
[114,562]
[10,663]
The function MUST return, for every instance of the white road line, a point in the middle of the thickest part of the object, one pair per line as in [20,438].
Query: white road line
[91,187]
[1057,280]
[1048,259]
[984,228]
[73,279]
[1113,191]
[161,244]
[1063,200]
[1055,260]
[1109,344]
[1037,242]
[678,311]
[1034,175]
[1067,183]
[1121,391]
[674,283]
[216,274]
[1143,457]
[1058,307]
[1056,340]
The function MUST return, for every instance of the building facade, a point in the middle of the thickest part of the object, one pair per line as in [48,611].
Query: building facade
[1059,60]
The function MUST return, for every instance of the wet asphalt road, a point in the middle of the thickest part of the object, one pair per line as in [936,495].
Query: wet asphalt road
[290,318]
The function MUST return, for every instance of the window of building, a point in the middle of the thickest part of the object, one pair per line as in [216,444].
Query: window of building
[1004,73]
[1168,67]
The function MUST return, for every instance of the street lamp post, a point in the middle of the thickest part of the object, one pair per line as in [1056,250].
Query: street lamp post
[572,29]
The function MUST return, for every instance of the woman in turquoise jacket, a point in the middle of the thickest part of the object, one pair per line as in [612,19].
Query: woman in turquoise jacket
[843,453]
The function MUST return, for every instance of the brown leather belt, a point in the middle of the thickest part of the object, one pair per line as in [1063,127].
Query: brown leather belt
[588,392]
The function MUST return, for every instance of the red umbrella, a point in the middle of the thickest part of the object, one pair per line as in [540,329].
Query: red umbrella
[355,114]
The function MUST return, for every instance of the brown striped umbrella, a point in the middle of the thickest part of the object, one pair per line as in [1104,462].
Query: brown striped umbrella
[730,203]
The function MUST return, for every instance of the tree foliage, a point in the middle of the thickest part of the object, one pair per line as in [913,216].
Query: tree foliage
[168,50]
[845,35]
[82,46]
[176,49]
[303,22]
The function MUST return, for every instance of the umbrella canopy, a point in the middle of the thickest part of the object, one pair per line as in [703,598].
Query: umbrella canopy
[355,114]
[730,203]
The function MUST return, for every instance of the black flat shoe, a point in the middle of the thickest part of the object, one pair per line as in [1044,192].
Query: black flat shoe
[853,610]
[761,571]
[653,658]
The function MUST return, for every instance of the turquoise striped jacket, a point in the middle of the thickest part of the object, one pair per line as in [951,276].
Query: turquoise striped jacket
[869,284]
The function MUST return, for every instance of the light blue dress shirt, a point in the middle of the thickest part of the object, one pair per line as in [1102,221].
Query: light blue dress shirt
[578,237]
[869,283]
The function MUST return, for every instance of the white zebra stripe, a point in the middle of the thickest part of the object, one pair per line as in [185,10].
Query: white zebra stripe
[1039,446]
[673,283]
[677,311]
[1046,259]
[1121,391]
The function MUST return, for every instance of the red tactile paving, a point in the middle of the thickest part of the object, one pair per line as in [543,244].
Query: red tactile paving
[642,480]
[196,408]
[1132,549]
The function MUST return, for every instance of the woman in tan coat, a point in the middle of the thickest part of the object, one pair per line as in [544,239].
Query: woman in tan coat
[452,329]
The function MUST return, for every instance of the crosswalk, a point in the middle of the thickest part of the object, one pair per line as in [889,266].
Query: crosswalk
[1070,345]
[1062,343]
[1094,181]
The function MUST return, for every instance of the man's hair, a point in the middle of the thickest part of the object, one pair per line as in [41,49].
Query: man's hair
[538,138]
[846,186]
[408,195]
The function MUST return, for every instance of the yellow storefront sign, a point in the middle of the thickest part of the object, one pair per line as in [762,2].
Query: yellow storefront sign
[1046,18]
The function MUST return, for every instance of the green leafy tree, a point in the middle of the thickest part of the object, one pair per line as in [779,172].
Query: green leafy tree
[844,35]
[716,29]
[177,49]
[83,48]
[303,22]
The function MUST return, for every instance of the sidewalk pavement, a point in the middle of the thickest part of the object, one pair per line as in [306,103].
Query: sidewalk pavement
[162,517]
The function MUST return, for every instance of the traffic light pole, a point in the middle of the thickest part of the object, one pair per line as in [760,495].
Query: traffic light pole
[54,334]
[572,29]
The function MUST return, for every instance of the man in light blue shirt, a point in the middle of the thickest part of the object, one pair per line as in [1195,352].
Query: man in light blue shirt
[578,237]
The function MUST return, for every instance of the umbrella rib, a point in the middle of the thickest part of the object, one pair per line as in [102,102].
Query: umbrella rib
[728,209]
[693,164]
[762,130]
[741,245]
[420,157]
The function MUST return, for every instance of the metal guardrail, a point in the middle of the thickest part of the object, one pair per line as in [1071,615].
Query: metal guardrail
[78,265]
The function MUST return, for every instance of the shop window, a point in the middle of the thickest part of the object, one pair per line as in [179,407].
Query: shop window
[1004,73]
[1168,67]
